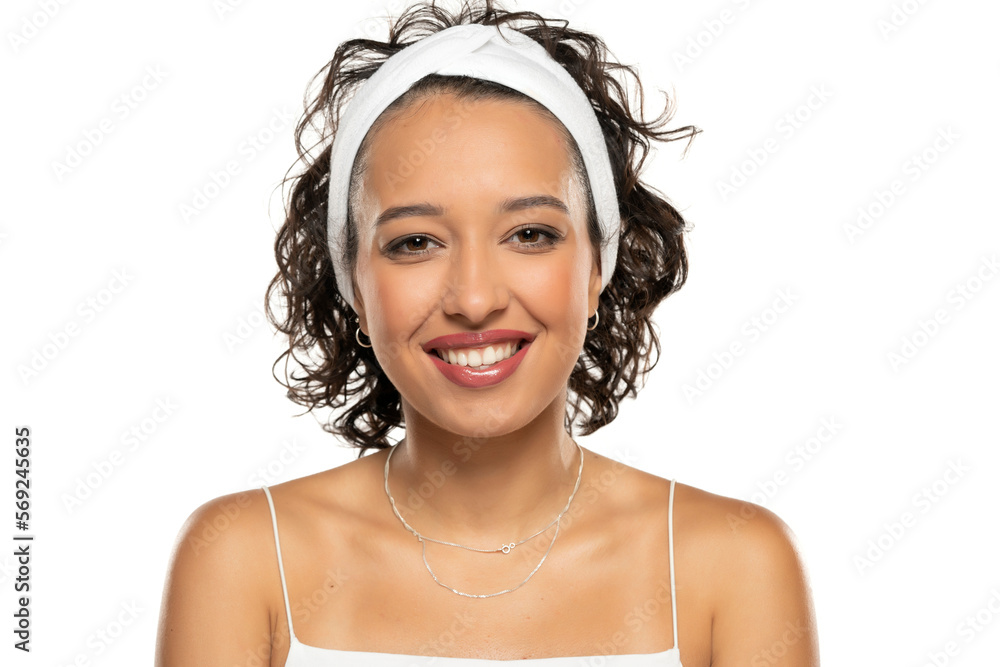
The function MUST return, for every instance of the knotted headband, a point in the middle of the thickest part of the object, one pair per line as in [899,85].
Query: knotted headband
[493,53]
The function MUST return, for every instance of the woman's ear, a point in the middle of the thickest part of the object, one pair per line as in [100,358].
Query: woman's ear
[594,288]
[359,308]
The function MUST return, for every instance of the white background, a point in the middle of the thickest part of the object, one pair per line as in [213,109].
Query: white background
[226,74]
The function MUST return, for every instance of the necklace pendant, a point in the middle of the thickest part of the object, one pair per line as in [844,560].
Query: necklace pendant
[507,547]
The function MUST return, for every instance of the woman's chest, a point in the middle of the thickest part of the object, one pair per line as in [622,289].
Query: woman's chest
[584,599]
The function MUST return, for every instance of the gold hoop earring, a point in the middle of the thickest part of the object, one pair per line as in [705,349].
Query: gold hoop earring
[357,337]
[597,318]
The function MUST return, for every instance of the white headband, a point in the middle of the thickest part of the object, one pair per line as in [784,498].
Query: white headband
[481,52]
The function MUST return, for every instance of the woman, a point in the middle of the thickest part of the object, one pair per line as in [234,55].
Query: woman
[474,260]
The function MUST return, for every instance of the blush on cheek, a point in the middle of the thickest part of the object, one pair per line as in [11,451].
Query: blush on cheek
[556,294]
[403,298]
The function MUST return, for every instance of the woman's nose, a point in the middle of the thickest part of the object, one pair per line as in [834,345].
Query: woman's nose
[476,284]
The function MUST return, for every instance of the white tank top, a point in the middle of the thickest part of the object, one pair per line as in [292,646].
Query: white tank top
[303,655]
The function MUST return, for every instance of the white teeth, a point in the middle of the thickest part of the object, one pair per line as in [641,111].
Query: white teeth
[478,358]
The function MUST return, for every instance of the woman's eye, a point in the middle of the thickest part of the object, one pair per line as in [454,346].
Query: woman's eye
[412,245]
[533,236]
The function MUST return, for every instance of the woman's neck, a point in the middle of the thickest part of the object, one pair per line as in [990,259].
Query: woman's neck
[475,490]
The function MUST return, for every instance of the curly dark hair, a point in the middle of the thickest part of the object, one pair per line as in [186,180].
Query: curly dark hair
[652,262]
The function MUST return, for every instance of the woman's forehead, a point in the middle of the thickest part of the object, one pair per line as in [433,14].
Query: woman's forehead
[446,148]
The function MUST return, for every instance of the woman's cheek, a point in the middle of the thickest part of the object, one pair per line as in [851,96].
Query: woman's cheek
[403,298]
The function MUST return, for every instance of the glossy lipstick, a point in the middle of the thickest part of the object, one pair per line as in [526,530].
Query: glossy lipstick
[469,377]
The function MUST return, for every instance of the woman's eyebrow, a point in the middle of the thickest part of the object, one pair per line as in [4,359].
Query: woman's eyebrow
[508,205]
[534,201]
[410,211]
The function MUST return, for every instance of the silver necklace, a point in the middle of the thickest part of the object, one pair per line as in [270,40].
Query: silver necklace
[504,548]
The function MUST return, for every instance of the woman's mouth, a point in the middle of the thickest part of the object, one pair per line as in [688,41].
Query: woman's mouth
[482,366]
[479,358]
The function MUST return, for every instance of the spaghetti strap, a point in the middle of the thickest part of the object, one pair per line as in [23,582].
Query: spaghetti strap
[281,567]
[670,531]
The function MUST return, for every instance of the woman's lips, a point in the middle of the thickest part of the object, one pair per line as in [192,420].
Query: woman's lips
[476,339]
[464,376]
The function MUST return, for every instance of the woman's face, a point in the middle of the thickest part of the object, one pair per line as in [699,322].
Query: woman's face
[472,222]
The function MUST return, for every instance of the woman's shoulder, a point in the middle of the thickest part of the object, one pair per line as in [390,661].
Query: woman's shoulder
[739,565]
[218,581]
[231,528]
[733,558]
[341,491]
[733,534]
[227,544]
[234,532]
[725,534]
[738,555]
[224,531]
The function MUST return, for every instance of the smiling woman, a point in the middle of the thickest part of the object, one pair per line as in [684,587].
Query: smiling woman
[470,258]
[506,234]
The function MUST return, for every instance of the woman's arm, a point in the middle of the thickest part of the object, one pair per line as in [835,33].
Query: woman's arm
[763,612]
[214,610]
